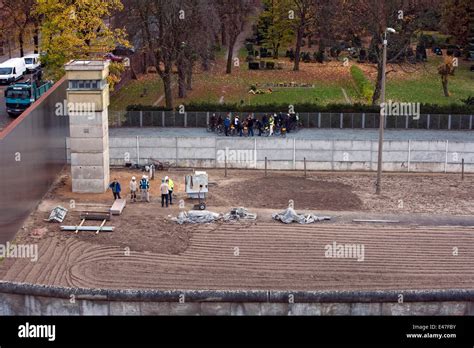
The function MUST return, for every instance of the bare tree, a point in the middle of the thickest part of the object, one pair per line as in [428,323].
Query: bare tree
[234,14]
[21,15]
[174,33]
[445,70]
[196,37]
[304,16]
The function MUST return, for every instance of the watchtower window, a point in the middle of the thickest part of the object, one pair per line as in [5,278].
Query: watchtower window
[86,84]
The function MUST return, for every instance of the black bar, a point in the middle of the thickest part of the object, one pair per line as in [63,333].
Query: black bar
[286,331]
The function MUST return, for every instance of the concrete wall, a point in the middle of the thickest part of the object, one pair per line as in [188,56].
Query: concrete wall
[31,299]
[290,154]
[32,153]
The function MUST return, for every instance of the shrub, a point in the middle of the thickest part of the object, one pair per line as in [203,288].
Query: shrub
[363,85]
[306,107]
[254,65]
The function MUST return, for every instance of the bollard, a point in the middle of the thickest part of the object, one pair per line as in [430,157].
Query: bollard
[462,170]
[225,166]
[265,166]
[305,167]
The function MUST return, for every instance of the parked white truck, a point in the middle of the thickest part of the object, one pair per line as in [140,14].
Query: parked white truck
[12,70]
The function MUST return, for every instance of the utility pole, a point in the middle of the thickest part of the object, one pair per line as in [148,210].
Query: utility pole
[382,112]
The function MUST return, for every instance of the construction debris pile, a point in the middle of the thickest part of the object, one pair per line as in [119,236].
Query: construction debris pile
[196,217]
[205,216]
[239,213]
[290,215]
[58,214]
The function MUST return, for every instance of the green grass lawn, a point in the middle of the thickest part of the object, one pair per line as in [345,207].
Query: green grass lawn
[423,86]
[321,94]
[427,88]
[132,93]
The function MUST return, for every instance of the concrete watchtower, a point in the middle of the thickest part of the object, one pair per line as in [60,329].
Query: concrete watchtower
[87,103]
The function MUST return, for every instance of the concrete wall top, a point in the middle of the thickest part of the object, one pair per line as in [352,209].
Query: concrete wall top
[237,295]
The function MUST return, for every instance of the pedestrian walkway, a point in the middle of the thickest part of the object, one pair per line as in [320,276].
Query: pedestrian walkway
[312,134]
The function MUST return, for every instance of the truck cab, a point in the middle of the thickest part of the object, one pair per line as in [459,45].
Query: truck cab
[32,62]
[20,96]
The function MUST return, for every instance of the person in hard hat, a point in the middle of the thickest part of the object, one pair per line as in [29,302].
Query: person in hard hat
[133,189]
[164,193]
[144,189]
[170,188]
[116,189]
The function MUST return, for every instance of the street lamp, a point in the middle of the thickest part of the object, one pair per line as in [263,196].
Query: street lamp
[382,109]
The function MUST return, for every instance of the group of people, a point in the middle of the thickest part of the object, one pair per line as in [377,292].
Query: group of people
[166,189]
[267,125]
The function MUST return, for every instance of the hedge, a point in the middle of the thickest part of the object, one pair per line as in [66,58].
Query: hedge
[363,85]
[305,107]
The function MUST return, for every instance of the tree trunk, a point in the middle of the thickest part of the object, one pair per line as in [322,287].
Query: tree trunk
[378,84]
[168,91]
[230,54]
[20,40]
[189,77]
[217,41]
[223,35]
[444,81]
[299,39]
[133,73]
[36,38]
[276,51]
[145,63]
[205,63]
[165,75]
[181,78]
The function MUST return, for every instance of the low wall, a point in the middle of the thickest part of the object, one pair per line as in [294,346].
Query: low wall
[31,299]
[291,153]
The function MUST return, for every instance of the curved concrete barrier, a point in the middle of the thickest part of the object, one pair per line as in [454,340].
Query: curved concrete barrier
[34,299]
[272,296]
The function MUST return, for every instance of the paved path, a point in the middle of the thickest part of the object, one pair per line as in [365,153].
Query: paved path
[318,134]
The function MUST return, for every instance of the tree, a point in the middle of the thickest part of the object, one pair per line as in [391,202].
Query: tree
[21,16]
[303,17]
[195,39]
[175,33]
[372,17]
[5,26]
[234,14]
[275,25]
[455,19]
[76,30]
[445,70]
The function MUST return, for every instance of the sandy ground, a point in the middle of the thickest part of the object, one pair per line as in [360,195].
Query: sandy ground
[147,250]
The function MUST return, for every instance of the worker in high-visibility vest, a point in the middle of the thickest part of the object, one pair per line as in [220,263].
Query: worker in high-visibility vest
[170,188]
[144,189]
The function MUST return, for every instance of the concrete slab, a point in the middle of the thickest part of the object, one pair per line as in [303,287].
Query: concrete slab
[118,206]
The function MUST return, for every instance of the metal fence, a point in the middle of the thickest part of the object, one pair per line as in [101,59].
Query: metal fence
[308,120]
[32,153]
